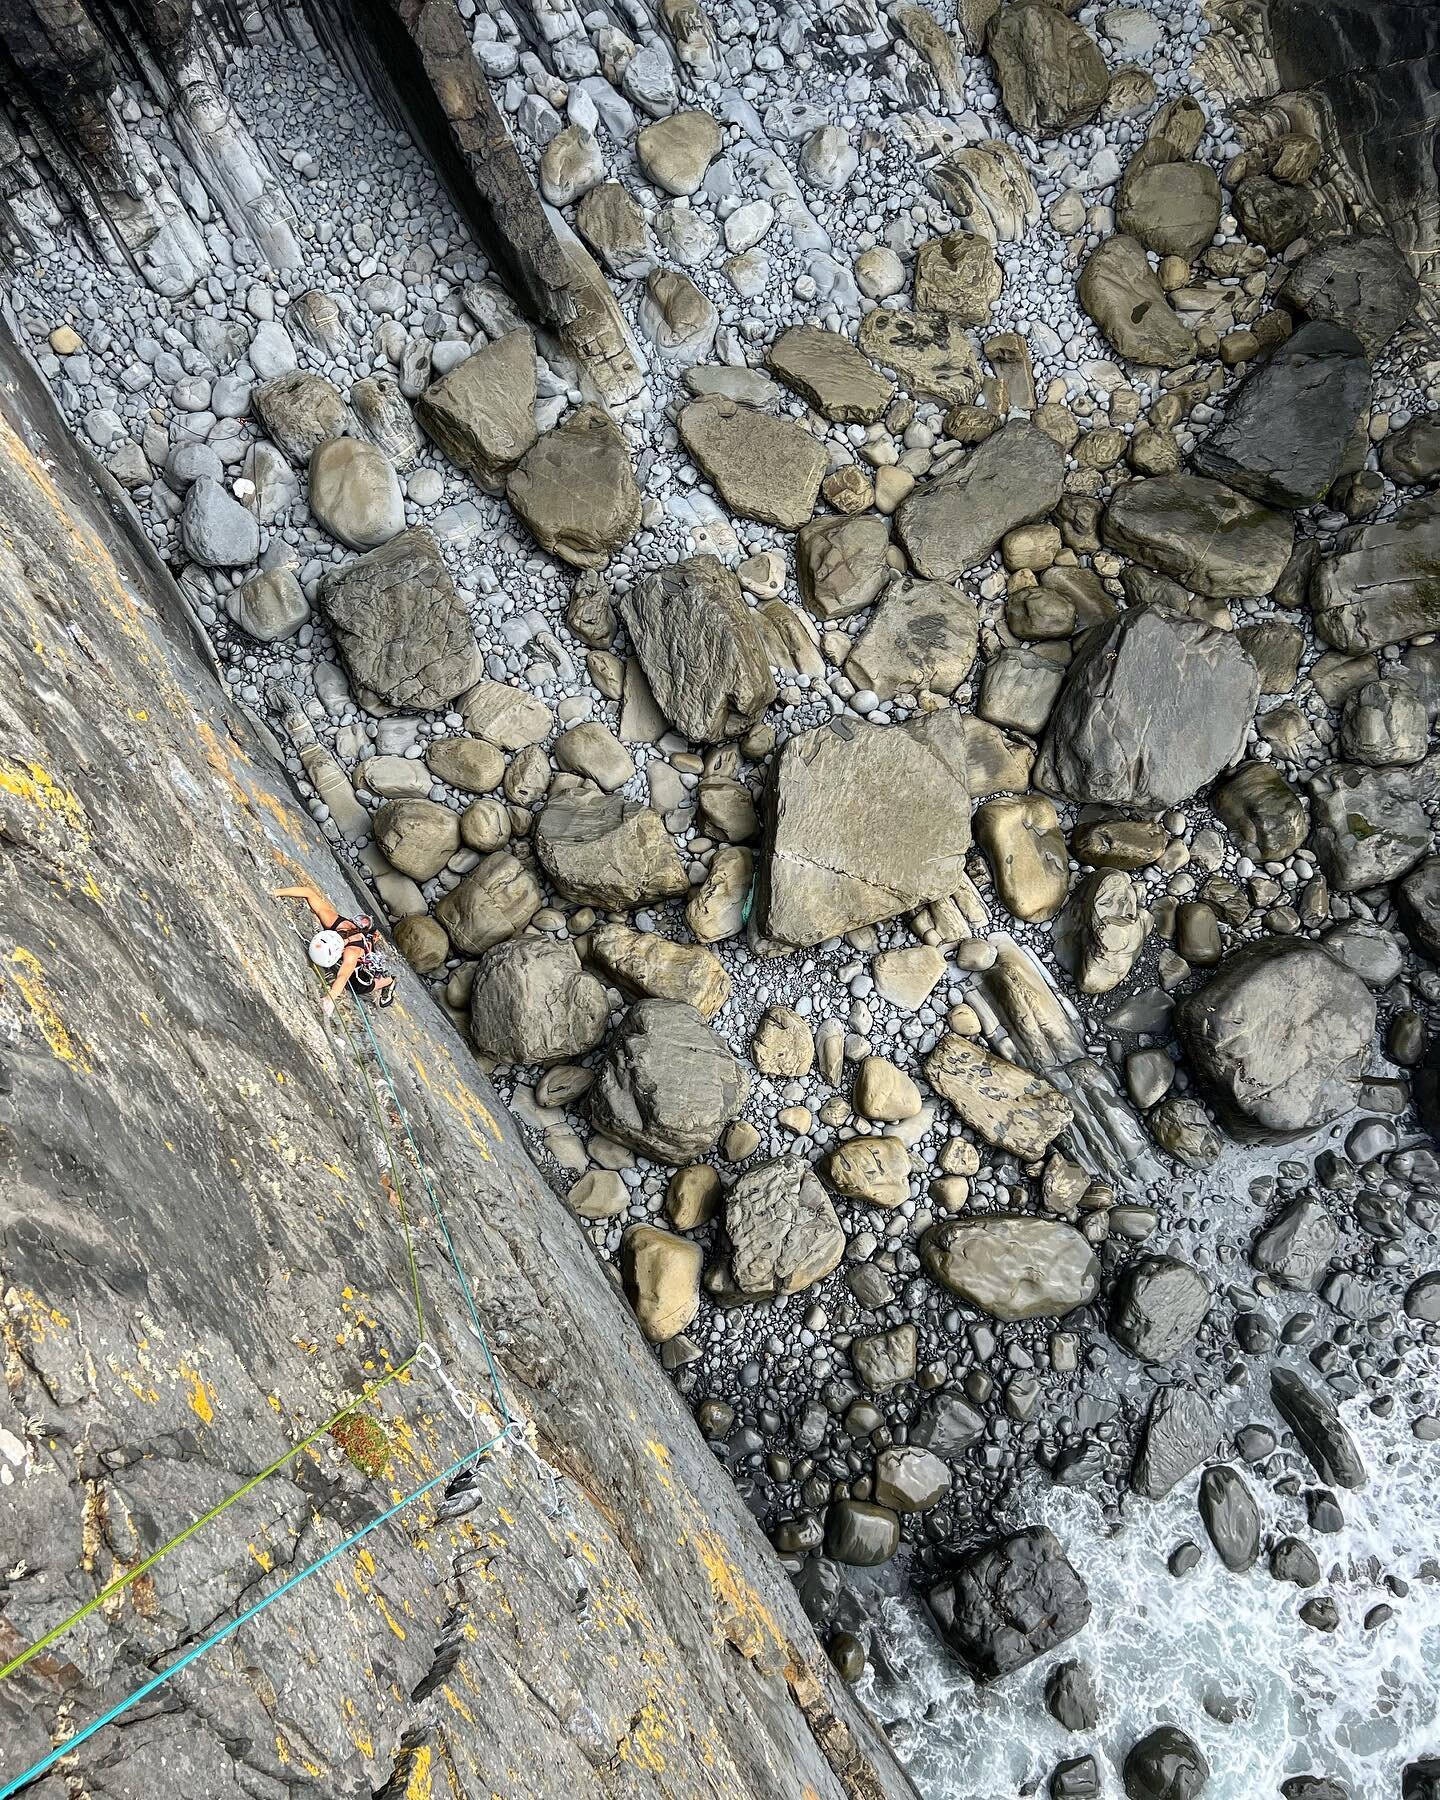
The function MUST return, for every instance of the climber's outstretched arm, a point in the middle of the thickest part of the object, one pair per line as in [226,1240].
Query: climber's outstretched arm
[327,914]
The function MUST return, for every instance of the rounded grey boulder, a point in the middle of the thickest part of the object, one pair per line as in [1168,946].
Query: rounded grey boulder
[668,1086]
[1280,1034]
[531,1002]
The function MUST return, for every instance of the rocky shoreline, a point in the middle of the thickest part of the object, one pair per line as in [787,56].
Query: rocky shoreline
[924,797]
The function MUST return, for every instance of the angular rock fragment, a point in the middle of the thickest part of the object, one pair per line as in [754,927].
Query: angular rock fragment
[1180,1432]
[384,417]
[701,648]
[531,1002]
[909,1479]
[956,520]
[1288,427]
[300,411]
[399,625]
[496,901]
[668,1086]
[828,372]
[1281,1033]
[862,822]
[987,186]
[874,1169]
[1109,931]
[1361,283]
[576,491]
[1210,538]
[957,274]
[923,637]
[783,1232]
[1012,1266]
[1296,1247]
[842,563]
[482,414]
[1158,1308]
[1369,826]
[655,966]
[762,467]
[604,850]
[217,531]
[1009,1107]
[928,351]
[1052,74]
[1153,707]
[1010,1601]
[1021,837]
[1382,585]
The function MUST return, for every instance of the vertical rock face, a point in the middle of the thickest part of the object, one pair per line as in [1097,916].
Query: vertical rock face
[203,1261]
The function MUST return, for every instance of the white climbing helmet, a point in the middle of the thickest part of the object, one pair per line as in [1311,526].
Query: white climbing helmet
[326,949]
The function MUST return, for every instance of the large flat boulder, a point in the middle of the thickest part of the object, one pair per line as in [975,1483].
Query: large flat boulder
[1012,1266]
[604,850]
[701,648]
[763,468]
[862,822]
[1155,705]
[1208,537]
[1362,283]
[1051,71]
[1005,1104]
[1280,1034]
[668,1086]
[576,491]
[482,414]
[782,1229]
[400,627]
[828,372]
[1287,427]
[1015,477]
[1382,584]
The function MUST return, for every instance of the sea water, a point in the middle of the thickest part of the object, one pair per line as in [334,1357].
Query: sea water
[1353,1704]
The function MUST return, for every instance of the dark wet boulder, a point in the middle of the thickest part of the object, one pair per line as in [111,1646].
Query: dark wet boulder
[1421,1780]
[1362,283]
[860,1533]
[1071,1696]
[1077,1778]
[1311,1414]
[1180,1432]
[1286,429]
[1296,1247]
[1165,1765]
[1313,1787]
[1008,1602]
[1158,1307]
[1294,1561]
[1281,1034]
[1419,897]
[1381,584]
[1153,707]
[1231,1516]
[1412,454]
[947,1424]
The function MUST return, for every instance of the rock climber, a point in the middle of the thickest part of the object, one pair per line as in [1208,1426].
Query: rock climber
[349,946]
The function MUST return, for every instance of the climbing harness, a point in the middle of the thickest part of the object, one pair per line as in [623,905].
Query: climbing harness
[460,1480]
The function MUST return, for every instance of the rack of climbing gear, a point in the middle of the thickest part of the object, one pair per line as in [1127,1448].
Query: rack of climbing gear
[458,1480]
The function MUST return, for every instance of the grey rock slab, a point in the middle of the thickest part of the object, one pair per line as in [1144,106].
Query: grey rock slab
[1231,1517]
[1123,295]
[1361,283]
[575,489]
[1006,1105]
[668,1086]
[355,493]
[300,411]
[762,467]
[783,1232]
[1286,430]
[930,352]
[1180,1433]
[531,1002]
[954,521]
[1369,825]
[1312,1415]
[1051,71]
[1154,706]
[1296,1247]
[831,374]
[947,1424]
[1012,1266]
[701,648]
[399,625]
[482,414]
[497,900]
[217,531]
[1209,537]
[1157,1308]
[1010,1601]
[923,637]
[1281,1034]
[842,563]
[862,822]
[604,850]
[1382,584]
